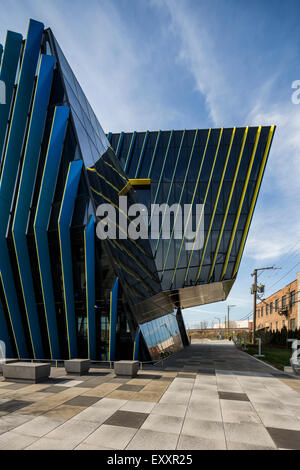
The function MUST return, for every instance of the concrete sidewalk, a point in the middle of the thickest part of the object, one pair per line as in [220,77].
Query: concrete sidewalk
[209,396]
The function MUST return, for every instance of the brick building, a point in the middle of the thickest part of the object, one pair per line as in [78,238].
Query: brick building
[280,309]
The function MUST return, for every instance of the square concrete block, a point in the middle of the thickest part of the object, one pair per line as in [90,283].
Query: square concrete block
[27,372]
[77,366]
[129,368]
[6,361]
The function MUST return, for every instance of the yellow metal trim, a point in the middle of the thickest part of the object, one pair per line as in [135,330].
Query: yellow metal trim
[2,285]
[61,259]
[34,231]
[194,194]
[180,197]
[140,181]
[133,183]
[216,203]
[253,202]
[204,202]
[228,204]
[125,190]
[241,203]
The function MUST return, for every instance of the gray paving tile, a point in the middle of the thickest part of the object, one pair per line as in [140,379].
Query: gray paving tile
[234,405]
[207,411]
[15,386]
[131,388]
[163,423]
[39,426]
[138,406]
[234,416]
[166,409]
[274,420]
[196,443]
[114,437]
[13,441]
[249,433]
[285,438]
[45,443]
[128,419]
[14,405]
[94,414]
[72,433]
[110,403]
[233,396]
[203,429]
[186,375]
[145,439]
[245,446]
[53,389]
[82,401]
[180,398]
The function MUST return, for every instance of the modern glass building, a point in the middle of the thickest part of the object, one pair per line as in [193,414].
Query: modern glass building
[63,291]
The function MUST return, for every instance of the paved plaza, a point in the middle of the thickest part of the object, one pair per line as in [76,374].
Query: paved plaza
[209,396]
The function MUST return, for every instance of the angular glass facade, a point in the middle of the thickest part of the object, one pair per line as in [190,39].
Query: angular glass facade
[63,291]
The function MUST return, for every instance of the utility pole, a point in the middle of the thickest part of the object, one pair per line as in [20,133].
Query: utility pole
[254,290]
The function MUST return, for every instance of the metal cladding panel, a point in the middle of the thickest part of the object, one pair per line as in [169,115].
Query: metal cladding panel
[64,222]
[4,334]
[31,158]
[8,69]
[9,171]
[113,320]
[89,249]
[219,168]
[19,118]
[136,349]
[55,146]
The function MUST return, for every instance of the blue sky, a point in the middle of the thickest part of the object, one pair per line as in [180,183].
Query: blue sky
[173,64]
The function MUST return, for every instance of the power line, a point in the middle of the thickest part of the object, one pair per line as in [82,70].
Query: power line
[284,275]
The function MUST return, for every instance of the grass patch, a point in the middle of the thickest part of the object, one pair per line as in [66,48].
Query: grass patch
[277,357]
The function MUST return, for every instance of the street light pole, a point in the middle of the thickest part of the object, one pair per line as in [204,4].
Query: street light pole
[228,324]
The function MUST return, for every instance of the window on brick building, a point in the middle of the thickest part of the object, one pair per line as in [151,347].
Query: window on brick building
[293,298]
[292,324]
[267,309]
[283,301]
[271,308]
[258,313]
[277,325]
[262,311]
[276,305]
